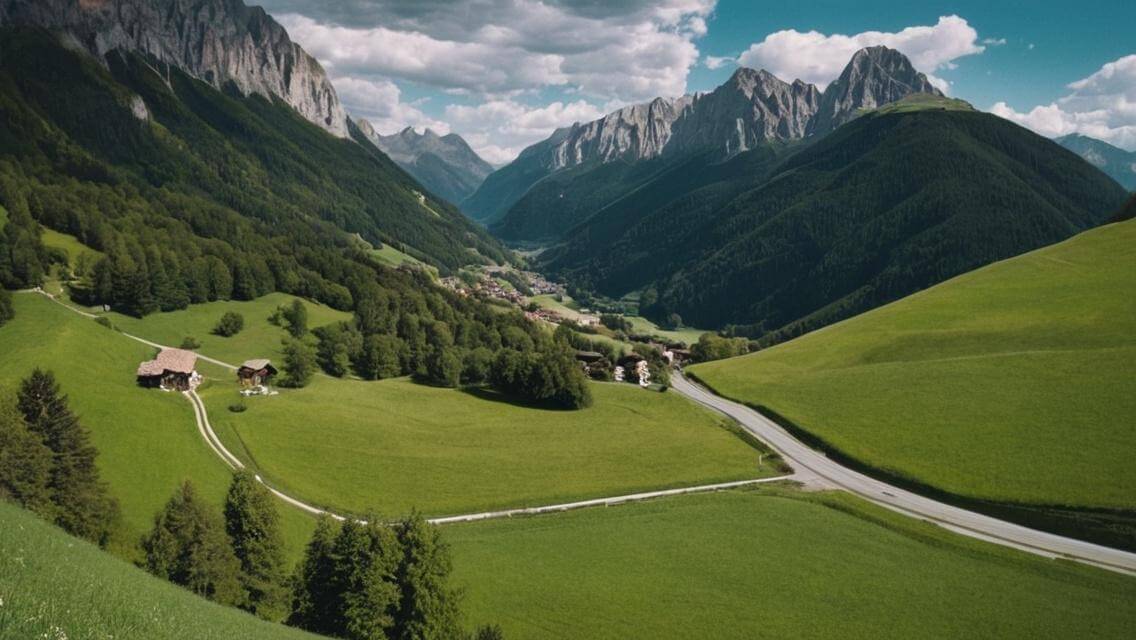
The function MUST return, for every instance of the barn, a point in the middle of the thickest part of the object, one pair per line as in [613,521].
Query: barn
[255,372]
[171,369]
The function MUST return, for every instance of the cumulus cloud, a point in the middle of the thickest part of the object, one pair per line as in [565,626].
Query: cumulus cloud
[819,58]
[499,129]
[380,102]
[629,50]
[717,62]
[1101,106]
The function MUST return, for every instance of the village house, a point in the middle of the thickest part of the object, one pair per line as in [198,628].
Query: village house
[172,369]
[253,373]
[586,320]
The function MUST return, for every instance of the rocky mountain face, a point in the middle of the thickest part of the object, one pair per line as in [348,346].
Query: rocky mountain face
[1118,164]
[445,165]
[874,77]
[217,41]
[751,108]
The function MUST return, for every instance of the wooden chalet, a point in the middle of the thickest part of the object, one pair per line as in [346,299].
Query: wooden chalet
[171,369]
[255,372]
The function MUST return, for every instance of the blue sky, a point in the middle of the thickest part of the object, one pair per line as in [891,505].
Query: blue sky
[505,73]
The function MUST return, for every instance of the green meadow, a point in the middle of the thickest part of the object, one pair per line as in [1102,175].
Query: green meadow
[55,586]
[147,441]
[259,338]
[394,445]
[771,564]
[1010,383]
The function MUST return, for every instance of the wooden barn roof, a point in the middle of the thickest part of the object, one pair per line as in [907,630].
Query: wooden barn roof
[173,360]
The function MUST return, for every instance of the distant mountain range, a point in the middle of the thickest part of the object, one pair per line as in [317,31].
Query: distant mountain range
[785,238]
[751,108]
[1116,162]
[445,165]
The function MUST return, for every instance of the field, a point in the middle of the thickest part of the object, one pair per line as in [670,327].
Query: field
[396,258]
[54,586]
[769,564]
[146,438]
[259,338]
[1010,383]
[56,240]
[393,445]
[639,324]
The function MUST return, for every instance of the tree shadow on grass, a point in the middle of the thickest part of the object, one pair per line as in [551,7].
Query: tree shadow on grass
[491,395]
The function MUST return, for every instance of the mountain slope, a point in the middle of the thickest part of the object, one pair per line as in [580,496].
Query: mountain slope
[1009,384]
[892,202]
[749,109]
[224,167]
[56,586]
[218,41]
[1117,163]
[445,165]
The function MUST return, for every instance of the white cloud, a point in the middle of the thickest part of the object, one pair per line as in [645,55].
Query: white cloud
[717,62]
[994,42]
[818,58]
[1101,106]
[499,129]
[379,101]
[628,50]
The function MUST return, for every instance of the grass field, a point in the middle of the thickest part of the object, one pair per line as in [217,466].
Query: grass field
[1013,382]
[396,258]
[639,324]
[56,240]
[259,338]
[754,564]
[55,586]
[394,445]
[146,438]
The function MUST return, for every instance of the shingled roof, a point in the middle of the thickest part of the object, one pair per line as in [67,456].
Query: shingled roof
[255,365]
[172,360]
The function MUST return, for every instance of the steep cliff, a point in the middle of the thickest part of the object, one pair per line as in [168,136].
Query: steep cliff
[445,165]
[218,41]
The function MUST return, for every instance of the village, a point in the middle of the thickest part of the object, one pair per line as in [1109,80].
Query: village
[522,288]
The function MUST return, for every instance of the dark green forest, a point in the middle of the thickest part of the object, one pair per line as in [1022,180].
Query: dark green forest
[885,206]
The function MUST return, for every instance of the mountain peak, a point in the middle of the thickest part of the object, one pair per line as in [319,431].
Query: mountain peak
[217,41]
[875,76]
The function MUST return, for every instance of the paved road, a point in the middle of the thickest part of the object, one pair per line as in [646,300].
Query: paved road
[809,462]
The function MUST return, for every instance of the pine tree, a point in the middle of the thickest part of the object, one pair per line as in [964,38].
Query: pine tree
[314,601]
[367,558]
[82,504]
[253,526]
[7,312]
[188,546]
[428,607]
[25,462]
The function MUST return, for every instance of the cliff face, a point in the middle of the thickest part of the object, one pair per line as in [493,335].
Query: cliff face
[874,77]
[218,41]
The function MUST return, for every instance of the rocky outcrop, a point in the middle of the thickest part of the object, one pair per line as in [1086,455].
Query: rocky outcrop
[874,77]
[445,165]
[218,41]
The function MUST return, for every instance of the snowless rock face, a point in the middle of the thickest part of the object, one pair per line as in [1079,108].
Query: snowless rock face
[218,41]
[750,108]
[446,165]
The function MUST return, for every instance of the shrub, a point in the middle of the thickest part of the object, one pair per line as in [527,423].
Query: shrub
[6,310]
[229,325]
[104,321]
[238,407]
[190,343]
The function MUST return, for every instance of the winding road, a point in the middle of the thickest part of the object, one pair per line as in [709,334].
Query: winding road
[811,467]
[815,466]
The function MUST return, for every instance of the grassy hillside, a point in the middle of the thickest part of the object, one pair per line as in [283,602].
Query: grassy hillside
[762,565]
[891,203]
[146,438]
[1010,383]
[55,586]
[395,445]
[259,338]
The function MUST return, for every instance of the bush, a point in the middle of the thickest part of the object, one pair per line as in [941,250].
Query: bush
[6,310]
[190,343]
[238,407]
[229,325]
[105,321]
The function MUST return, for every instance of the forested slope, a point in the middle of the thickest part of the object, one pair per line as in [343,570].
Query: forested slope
[891,203]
